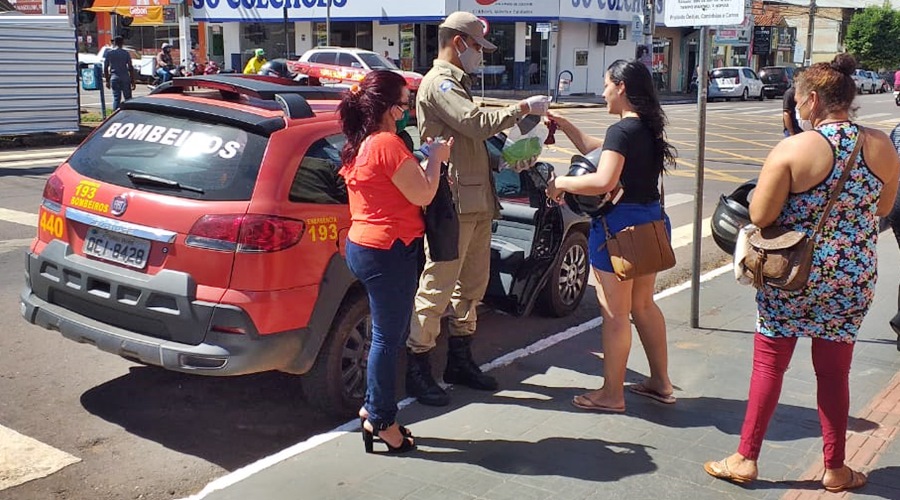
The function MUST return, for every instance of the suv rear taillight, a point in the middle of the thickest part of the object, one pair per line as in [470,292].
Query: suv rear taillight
[53,194]
[245,233]
[737,79]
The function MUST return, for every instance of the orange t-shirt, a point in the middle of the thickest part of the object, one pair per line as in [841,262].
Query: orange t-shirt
[379,212]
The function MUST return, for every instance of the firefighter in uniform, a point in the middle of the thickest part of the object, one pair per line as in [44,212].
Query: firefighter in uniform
[445,108]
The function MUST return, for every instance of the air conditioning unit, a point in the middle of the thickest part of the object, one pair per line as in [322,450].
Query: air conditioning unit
[608,34]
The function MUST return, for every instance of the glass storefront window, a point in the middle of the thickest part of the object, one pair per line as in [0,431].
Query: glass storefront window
[662,63]
[269,37]
[537,53]
[498,65]
[148,39]
[356,34]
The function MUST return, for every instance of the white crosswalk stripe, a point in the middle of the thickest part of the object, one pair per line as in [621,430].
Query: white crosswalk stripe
[24,459]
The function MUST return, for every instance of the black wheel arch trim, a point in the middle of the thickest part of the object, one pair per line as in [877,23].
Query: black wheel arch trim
[337,284]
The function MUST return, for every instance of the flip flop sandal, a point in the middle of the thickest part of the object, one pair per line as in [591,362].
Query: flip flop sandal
[642,390]
[857,480]
[720,470]
[586,404]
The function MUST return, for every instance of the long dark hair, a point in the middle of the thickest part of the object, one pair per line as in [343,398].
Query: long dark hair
[641,93]
[363,107]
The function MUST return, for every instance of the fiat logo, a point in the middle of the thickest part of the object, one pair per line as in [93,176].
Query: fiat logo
[119,205]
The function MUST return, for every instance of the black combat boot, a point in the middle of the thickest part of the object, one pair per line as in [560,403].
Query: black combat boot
[462,369]
[420,383]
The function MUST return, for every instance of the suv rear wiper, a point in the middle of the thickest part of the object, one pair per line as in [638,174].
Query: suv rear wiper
[152,180]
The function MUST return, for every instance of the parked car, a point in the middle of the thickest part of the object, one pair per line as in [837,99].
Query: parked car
[776,80]
[202,229]
[864,82]
[879,83]
[343,58]
[734,82]
[143,67]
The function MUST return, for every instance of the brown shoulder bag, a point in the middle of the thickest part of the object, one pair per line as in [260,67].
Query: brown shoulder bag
[781,258]
[642,249]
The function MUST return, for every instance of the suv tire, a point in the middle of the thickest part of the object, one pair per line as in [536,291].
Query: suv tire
[337,382]
[568,277]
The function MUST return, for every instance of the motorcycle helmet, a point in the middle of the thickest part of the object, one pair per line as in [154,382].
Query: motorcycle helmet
[732,213]
[166,46]
[278,68]
[591,205]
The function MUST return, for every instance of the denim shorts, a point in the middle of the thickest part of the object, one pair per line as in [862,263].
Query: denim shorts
[622,216]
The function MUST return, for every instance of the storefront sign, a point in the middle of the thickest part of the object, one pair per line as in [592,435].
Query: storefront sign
[762,39]
[785,39]
[542,27]
[704,12]
[511,8]
[306,10]
[617,11]
[29,6]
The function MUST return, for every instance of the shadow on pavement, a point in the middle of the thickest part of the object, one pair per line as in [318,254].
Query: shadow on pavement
[585,459]
[229,421]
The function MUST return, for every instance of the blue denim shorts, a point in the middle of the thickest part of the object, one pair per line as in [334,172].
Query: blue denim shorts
[622,216]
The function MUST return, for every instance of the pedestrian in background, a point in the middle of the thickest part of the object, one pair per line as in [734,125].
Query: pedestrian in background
[635,152]
[894,219]
[255,63]
[794,186]
[789,113]
[119,72]
[386,188]
[444,108]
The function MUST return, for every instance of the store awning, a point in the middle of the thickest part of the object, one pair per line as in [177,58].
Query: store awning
[144,12]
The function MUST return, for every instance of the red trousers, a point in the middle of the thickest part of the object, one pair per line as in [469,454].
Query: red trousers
[831,361]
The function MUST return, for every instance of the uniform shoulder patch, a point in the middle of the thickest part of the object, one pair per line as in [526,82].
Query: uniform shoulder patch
[446,85]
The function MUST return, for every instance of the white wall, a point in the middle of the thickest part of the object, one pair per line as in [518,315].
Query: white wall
[583,36]
[303,36]
[231,39]
[386,37]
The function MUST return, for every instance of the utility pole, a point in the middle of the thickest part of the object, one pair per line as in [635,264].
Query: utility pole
[810,32]
[328,23]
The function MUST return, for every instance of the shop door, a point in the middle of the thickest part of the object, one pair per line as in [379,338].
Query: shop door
[537,55]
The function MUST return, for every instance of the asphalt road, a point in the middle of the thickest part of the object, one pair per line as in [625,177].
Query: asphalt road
[136,432]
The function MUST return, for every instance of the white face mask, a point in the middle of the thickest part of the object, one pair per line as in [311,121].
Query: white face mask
[804,124]
[470,59]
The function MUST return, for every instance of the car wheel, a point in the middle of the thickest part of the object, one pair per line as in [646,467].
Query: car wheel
[567,279]
[745,95]
[337,382]
[761,97]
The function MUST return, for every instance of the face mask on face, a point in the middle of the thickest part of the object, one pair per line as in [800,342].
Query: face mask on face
[403,122]
[804,124]
[470,59]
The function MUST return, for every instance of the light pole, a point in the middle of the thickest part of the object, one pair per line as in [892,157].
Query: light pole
[810,31]
[328,23]
[287,40]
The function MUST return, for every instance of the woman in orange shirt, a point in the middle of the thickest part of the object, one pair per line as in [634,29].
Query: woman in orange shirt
[387,189]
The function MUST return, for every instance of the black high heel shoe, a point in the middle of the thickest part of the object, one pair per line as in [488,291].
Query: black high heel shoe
[403,430]
[369,440]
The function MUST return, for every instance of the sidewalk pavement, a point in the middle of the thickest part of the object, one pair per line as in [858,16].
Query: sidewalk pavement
[528,442]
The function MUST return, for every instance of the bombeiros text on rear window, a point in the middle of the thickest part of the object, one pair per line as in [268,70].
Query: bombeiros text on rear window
[195,159]
[198,142]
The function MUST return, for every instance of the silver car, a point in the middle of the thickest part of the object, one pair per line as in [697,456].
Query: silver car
[735,82]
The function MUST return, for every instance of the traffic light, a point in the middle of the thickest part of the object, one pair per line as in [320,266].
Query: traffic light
[85,16]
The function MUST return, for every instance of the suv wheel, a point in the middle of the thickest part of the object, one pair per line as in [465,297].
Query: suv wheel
[568,277]
[337,382]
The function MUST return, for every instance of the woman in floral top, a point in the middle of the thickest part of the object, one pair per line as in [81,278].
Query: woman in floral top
[794,185]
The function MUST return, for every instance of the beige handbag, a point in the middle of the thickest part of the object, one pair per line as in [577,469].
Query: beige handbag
[782,258]
[642,249]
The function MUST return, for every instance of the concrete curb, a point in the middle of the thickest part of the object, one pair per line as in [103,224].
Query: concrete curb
[47,139]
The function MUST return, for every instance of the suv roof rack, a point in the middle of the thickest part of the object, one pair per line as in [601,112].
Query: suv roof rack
[290,95]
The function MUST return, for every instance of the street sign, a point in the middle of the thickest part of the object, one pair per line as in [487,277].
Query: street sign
[678,13]
[543,27]
[637,29]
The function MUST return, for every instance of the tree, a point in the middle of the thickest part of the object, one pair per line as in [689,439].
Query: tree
[872,37]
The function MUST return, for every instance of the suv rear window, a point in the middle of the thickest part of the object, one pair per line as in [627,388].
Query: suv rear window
[210,161]
[725,73]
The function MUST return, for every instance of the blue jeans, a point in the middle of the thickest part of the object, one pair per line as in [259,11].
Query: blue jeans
[121,88]
[164,75]
[390,278]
